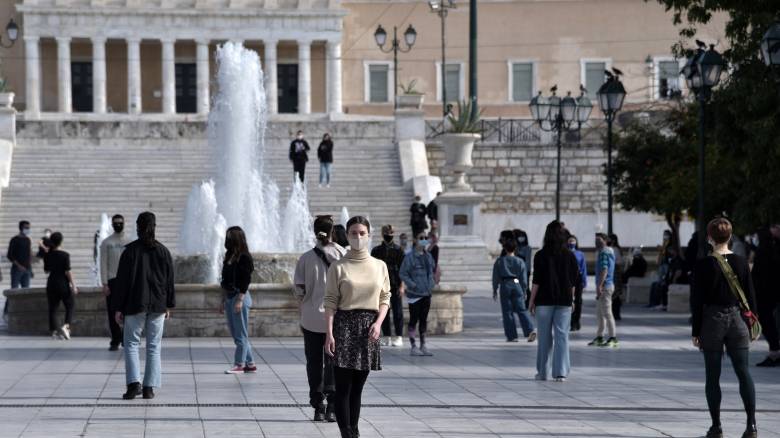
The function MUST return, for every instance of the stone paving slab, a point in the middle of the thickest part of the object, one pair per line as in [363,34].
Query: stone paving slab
[476,385]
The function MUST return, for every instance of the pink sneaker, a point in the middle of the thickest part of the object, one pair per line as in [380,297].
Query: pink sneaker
[237,369]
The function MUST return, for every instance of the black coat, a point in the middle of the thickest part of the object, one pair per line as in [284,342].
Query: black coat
[393,256]
[325,151]
[302,155]
[433,211]
[418,212]
[144,280]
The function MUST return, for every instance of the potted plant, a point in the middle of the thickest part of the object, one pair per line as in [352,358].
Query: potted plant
[409,98]
[462,131]
[6,97]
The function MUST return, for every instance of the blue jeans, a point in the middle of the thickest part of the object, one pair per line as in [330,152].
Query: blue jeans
[325,173]
[553,333]
[513,301]
[19,278]
[238,323]
[152,325]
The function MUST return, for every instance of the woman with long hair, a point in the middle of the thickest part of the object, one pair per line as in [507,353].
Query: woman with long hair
[717,322]
[356,300]
[552,297]
[59,286]
[237,270]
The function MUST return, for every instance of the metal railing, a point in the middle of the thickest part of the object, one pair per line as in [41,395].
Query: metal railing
[510,131]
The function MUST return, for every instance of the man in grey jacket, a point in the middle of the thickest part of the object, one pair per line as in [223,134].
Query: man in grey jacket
[110,251]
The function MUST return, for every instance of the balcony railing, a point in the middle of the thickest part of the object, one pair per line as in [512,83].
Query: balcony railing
[520,131]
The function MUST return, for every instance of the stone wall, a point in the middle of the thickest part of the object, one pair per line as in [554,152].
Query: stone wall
[521,178]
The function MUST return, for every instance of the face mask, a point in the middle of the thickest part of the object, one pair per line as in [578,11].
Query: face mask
[358,243]
[47,234]
[300,137]
[118,227]
[403,242]
[26,231]
[572,246]
[521,239]
[388,238]
[423,243]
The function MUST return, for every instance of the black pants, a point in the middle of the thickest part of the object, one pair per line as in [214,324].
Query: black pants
[54,297]
[577,313]
[116,330]
[349,394]
[397,307]
[418,313]
[766,315]
[739,360]
[659,293]
[319,369]
[617,304]
[299,167]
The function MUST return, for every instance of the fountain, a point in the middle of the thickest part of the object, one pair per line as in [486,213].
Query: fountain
[102,232]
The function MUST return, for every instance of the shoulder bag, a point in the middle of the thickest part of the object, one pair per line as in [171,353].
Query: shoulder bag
[750,318]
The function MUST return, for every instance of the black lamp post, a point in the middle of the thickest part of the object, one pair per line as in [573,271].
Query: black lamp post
[380,36]
[558,115]
[12,31]
[611,96]
[770,46]
[441,8]
[702,72]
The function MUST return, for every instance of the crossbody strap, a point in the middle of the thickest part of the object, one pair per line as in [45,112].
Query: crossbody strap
[321,254]
[731,277]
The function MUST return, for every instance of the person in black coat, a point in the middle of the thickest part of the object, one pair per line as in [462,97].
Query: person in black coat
[433,212]
[325,154]
[418,212]
[299,149]
[59,286]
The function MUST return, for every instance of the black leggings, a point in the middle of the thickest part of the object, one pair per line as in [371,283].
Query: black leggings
[54,298]
[739,360]
[349,392]
[418,313]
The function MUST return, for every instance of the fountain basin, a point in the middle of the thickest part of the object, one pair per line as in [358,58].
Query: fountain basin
[274,312]
[269,268]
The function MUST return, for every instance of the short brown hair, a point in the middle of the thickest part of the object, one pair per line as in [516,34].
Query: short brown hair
[719,229]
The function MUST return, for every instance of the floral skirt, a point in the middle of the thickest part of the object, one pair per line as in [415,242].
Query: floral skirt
[354,349]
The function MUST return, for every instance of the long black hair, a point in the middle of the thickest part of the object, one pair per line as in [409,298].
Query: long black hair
[555,237]
[235,244]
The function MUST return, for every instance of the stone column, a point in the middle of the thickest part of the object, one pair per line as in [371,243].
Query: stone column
[98,75]
[134,76]
[271,86]
[33,72]
[64,88]
[203,76]
[334,77]
[168,77]
[304,77]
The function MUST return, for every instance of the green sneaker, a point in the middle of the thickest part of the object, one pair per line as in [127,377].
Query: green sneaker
[598,342]
[611,343]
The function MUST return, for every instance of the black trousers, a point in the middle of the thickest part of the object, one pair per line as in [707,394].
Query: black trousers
[766,315]
[299,167]
[576,315]
[319,369]
[418,313]
[54,297]
[116,330]
[349,394]
[747,391]
[397,308]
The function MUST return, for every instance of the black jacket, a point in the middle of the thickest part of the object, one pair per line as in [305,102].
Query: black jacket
[301,155]
[418,211]
[393,256]
[237,276]
[144,280]
[325,151]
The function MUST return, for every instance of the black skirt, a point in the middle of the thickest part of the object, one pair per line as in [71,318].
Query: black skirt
[354,349]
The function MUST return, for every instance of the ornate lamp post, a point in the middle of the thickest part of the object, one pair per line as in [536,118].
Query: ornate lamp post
[380,36]
[559,115]
[702,72]
[441,8]
[611,96]
[12,31]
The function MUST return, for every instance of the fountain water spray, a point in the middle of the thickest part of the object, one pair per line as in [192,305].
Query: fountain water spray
[101,234]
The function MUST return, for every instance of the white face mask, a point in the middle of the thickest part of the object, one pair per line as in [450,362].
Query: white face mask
[358,243]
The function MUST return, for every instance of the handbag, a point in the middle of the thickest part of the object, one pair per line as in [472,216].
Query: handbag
[750,318]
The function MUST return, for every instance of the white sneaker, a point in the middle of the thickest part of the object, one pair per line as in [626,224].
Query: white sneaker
[397,341]
[424,351]
[56,335]
[328,185]
[319,185]
[65,332]
[415,351]
[385,341]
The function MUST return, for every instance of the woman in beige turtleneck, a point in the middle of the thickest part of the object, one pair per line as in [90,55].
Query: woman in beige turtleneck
[357,297]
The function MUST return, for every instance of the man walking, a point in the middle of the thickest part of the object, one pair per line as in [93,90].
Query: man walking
[143,299]
[20,256]
[418,212]
[605,287]
[110,251]
[299,149]
[392,254]
[433,212]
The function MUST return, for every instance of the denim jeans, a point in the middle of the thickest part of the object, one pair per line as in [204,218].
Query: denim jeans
[553,334]
[238,323]
[513,301]
[19,278]
[325,172]
[152,325]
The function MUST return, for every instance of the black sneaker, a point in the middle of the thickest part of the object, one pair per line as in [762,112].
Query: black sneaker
[751,431]
[148,392]
[330,413]
[715,432]
[355,432]
[319,413]
[133,391]
[113,347]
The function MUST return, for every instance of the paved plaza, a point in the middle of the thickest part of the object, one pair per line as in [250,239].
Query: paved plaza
[476,385]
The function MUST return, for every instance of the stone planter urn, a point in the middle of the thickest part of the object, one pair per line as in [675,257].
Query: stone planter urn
[6,100]
[410,101]
[457,151]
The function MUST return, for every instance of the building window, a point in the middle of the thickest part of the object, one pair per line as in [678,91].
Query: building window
[378,83]
[668,79]
[521,81]
[455,81]
[593,76]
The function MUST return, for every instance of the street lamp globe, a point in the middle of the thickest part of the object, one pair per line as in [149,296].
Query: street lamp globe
[691,71]
[584,108]
[711,65]
[410,36]
[555,106]
[611,96]
[770,46]
[540,108]
[12,30]
[568,108]
[380,36]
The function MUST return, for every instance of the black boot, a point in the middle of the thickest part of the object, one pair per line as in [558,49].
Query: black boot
[346,432]
[319,413]
[330,413]
[715,432]
[133,390]
[355,432]
[751,431]
[148,392]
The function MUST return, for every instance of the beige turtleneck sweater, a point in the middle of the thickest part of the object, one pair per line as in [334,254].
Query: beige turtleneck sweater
[357,281]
